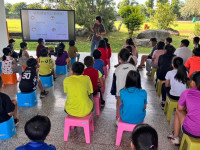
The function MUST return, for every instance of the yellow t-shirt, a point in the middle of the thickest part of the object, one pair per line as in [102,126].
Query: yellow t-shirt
[78,89]
[46,64]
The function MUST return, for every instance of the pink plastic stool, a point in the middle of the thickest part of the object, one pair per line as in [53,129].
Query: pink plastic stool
[122,126]
[104,82]
[105,71]
[108,60]
[97,103]
[86,122]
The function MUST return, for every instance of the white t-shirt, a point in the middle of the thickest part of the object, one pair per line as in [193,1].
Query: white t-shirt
[121,74]
[7,66]
[184,53]
[176,87]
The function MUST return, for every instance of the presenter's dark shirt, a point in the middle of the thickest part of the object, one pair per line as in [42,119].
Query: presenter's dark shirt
[39,48]
[36,146]
[98,28]
[6,106]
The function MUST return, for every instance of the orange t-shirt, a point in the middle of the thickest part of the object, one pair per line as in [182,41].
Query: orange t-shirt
[193,64]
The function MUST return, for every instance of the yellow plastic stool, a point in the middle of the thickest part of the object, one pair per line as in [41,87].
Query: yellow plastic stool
[159,87]
[193,144]
[170,105]
[154,70]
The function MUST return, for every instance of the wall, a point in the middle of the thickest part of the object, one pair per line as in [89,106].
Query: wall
[3,30]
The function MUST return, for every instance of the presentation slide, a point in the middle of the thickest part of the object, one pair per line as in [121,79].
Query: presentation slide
[51,25]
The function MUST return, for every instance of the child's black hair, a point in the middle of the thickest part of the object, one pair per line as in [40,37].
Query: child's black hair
[40,40]
[102,44]
[133,79]
[22,45]
[196,39]
[196,78]
[61,48]
[98,18]
[6,51]
[185,42]
[196,52]
[130,41]
[170,49]
[44,52]
[169,40]
[78,68]
[129,48]
[31,62]
[160,45]
[71,43]
[37,128]
[144,137]
[181,74]
[88,61]
[97,54]
[107,44]
[124,54]
[11,41]
[153,40]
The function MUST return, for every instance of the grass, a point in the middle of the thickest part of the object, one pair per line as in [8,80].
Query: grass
[116,39]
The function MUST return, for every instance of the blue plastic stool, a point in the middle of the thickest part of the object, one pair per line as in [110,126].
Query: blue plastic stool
[73,60]
[61,69]
[47,81]
[7,129]
[27,99]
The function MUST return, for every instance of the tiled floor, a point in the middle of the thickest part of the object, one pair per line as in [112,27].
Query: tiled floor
[105,130]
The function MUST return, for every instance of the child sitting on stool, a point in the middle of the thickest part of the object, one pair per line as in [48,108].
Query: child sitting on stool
[46,64]
[73,51]
[30,79]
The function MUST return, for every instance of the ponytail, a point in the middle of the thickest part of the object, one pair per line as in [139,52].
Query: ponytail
[61,49]
[20,53]
[107,44]
[6,51]
[196,78]
[181,74]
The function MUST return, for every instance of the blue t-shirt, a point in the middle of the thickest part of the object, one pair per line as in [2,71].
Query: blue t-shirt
[99,65]
[36,146]
[132,109]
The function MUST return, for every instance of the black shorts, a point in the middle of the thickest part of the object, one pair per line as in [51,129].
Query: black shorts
[184,131]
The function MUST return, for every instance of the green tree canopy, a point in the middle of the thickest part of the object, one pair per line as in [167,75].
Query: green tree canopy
[126,2]
[15,9]
[132,17]
[191,8]
[35,6]
[163,16]
[162,1]
[176,7]
[149,6]
[8,8]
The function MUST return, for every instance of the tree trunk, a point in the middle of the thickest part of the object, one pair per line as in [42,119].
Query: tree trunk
[130,32]
[120,25]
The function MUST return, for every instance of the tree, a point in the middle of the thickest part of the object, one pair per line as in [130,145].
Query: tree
[7,8]
[176,7]
[35,6]
[132,18]
[163,16]
[126,2]
[15,9]
[162,1]
[149,6]
[191,8]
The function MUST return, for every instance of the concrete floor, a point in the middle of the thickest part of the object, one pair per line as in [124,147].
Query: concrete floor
[105,130]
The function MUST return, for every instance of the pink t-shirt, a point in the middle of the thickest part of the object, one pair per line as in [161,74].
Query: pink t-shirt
[156,55]
[191,99]
[7,66]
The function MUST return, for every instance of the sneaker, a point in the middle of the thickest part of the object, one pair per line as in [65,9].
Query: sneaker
[162,105]
[148,73]
[43,94]
[102,103]
[16,121]
[175,140]
[139,68]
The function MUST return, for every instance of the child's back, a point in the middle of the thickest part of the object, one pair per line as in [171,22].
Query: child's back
[62,56]
[98,63]
[94,76]
[46,64]
[72,51]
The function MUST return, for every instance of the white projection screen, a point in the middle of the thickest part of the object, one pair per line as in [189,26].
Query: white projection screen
[51,25]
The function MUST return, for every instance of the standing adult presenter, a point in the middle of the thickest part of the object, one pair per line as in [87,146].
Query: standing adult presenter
[98,30]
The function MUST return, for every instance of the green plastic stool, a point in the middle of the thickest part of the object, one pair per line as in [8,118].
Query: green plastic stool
[159,87]
[154,70]
[170,105]
[193,144]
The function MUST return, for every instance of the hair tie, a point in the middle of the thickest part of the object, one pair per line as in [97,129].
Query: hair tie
[152,146]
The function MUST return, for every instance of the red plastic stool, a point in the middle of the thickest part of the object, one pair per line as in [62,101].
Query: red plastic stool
[24,67]
[122,126]
[97,103]
[86,122]
[9,78]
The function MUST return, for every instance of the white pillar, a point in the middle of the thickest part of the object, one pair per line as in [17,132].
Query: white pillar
[3,29]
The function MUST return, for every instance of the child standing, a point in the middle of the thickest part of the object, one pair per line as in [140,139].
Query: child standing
[9,65]
[37,129]
[79,89]
[193,63]
[133,99]
[23,55]
[8,107]
[30,79]
[62,56]
[144,137]
[95,76]
[46,64]
[98,63]
[175,82]
[73,51]
[103,50]
[188,112]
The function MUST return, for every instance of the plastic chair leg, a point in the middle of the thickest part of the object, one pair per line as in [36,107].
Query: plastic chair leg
[119,137]
[66,132]
[87,134]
